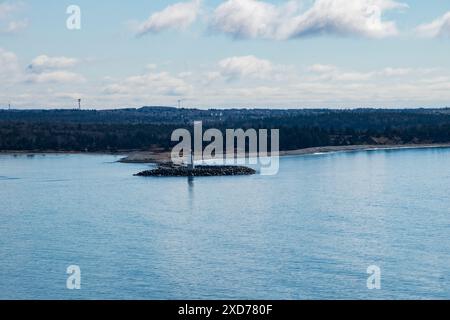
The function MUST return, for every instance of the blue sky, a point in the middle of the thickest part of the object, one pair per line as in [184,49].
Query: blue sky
[234,53]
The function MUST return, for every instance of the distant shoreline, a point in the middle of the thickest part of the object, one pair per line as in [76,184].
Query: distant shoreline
[353,148]
[163,157]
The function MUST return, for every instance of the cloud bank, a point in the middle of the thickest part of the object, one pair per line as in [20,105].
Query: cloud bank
[252,19]
[153,83]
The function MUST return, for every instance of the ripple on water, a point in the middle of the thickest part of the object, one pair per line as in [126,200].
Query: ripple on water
[8,178]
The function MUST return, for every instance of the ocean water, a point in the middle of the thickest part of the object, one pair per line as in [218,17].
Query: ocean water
[309,232]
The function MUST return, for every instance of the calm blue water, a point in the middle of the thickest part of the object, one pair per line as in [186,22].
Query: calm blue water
[309,232]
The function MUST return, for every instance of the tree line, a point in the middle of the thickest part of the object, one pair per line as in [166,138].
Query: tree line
[150,128]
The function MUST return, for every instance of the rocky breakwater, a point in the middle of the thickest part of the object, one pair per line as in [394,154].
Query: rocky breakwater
[199,171]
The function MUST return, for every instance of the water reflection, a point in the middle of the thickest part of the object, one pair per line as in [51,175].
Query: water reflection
[191,191]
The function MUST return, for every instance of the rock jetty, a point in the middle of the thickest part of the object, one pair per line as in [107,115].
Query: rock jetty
[199,171]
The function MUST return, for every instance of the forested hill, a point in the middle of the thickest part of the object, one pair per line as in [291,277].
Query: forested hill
[150,127]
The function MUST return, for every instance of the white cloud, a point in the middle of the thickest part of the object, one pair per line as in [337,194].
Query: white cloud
[331,72]
[45,69]
[322,68]
[319,85]
[437,28]
[150,84]
[6,8]
[44,62]
[22,87]
[15,26]
[322,72]
[245,66]
[259,19]
[247,19]
[55,77]
[8,23]
[177,16]
[258,83]
[397,72]
[9,67]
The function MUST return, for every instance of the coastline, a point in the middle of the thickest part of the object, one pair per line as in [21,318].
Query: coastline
[355,148]
[164,157]
[159,157]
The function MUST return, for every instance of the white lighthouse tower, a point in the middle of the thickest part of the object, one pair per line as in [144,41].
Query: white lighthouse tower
[191,164]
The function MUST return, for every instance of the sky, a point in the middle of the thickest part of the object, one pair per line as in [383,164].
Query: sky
[225,54]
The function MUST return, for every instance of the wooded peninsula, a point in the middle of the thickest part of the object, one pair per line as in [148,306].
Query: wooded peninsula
[150,128]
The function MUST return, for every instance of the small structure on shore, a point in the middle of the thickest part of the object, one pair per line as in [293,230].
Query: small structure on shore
[191,164]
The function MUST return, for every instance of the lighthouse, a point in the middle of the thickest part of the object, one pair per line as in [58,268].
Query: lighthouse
[191,165]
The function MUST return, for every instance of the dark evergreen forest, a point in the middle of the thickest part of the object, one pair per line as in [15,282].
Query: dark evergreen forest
[151,127]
